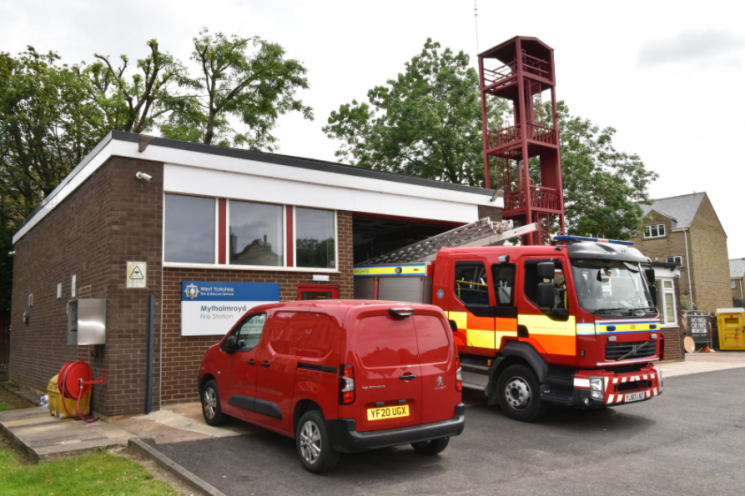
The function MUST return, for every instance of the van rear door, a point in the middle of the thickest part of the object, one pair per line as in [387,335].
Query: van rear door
[385,355]
[436,365]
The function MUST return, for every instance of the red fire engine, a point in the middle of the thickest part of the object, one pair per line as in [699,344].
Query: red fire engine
[570,323]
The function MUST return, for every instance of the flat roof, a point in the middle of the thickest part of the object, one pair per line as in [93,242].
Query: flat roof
[96,158]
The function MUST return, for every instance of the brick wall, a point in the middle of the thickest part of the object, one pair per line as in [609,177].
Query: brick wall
[182,355]
[708,245]
[90,235]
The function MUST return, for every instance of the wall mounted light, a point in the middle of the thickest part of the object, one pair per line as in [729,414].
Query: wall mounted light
[143,176]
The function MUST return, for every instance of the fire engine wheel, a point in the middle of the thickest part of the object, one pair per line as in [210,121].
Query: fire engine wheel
[431,447]
[519,394]
[211,405]
[313,444]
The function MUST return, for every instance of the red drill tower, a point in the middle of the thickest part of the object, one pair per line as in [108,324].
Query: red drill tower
[523,149]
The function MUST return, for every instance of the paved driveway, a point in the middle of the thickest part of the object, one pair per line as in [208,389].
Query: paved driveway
[690,440]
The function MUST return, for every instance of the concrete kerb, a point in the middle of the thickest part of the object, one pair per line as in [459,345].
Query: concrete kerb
[145,447]
[25,450]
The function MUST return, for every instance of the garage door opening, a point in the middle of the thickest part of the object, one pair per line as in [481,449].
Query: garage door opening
[376,235]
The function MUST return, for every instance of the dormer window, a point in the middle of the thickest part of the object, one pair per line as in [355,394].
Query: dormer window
[655,231]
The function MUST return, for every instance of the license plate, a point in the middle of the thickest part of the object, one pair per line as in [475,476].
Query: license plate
[387,412]
[634,397]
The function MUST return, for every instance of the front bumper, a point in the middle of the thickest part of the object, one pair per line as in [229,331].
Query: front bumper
[346,439]
[616,386]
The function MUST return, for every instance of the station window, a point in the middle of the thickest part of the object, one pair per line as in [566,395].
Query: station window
[256,234]
[676,260]
[315,238]
[655,231]
[666,301]
[190,229]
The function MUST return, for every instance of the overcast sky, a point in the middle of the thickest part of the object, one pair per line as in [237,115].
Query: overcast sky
[668,75]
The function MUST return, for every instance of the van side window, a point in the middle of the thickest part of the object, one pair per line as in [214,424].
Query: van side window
[249,332]
[471,285]
[302,334]
[503,276]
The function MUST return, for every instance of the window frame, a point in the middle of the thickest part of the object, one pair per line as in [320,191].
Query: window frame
[216,254]
[336,240]
[227,238]
[656,226]
[489,282]
[680,262]
[238,327]
[227,266]
[662,302]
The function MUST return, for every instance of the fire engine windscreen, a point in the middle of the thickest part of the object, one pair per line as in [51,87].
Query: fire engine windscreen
[605,286]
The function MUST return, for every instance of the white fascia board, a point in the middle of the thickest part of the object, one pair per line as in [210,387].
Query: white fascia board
[211,183]
[58,196]
[665,273]
[295,174]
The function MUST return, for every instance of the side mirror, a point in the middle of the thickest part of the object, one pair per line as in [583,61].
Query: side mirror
[653,294]
[546,270]
[545,294]
[230,344]
[649,272]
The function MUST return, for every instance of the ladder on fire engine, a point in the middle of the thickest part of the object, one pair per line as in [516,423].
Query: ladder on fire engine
[483,232]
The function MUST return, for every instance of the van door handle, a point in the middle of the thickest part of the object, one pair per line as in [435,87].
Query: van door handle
[265,364]
[407,377]
[251,362]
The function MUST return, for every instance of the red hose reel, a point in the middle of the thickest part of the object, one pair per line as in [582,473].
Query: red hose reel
[75,380]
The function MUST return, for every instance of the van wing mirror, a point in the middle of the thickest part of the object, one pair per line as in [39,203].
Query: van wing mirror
[546,270]
[545,294]
[649,272]
[230,344]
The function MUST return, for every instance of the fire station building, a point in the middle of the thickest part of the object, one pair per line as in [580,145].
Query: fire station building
[207,232]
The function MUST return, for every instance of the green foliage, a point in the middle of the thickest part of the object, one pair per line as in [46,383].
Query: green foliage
[602,186]
[138,103]
[253,86]
[314,253]
[96,474]
[426,122]
[47,125]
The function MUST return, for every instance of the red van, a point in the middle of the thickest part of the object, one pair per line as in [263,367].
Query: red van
[339,376]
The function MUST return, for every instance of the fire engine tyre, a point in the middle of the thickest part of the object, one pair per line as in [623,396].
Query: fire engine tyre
[431,447]
[519,394]
[313,444]
[211,405]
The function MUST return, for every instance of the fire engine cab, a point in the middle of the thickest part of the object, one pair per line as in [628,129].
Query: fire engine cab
[573,324]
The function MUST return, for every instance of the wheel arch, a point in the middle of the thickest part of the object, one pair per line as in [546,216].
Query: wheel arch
[515,352]
[203,381]
[301,407]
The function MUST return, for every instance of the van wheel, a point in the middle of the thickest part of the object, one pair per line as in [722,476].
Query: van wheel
[313,444]
[431,447]
[211,405]
[519,394]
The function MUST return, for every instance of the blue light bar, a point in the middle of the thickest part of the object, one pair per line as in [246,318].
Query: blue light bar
[571,239]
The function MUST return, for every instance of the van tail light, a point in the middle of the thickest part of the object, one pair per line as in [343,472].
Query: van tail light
[346,384]
[458,375]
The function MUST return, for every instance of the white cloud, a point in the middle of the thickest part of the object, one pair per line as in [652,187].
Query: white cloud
[691,46]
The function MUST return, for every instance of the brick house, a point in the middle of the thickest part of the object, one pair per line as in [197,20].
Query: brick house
[206,216]
[737,278]
[685,230]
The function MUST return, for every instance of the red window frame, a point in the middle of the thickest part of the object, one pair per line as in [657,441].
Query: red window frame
[320,288]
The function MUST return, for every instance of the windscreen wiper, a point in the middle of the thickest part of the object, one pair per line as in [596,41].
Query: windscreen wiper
[610,310]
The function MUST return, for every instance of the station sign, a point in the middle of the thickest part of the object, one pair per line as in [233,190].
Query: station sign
[212,308]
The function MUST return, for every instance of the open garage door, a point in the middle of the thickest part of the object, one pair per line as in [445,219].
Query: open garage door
[376,234]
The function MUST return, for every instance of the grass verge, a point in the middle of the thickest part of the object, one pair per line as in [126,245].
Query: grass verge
[95,474]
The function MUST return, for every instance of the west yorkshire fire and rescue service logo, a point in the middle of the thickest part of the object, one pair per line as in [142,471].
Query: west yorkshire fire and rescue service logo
[192,291]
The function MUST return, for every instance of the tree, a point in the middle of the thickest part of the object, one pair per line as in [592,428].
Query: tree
[140,103]
[255,88]
[602,186]
[47,125]
[426,122]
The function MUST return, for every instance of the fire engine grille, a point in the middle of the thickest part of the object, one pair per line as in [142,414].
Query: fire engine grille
[630,351]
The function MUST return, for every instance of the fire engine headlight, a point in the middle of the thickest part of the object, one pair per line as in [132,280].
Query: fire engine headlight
[596,387]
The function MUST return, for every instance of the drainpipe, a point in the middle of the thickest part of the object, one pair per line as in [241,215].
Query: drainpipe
[742,297]
[688,266]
